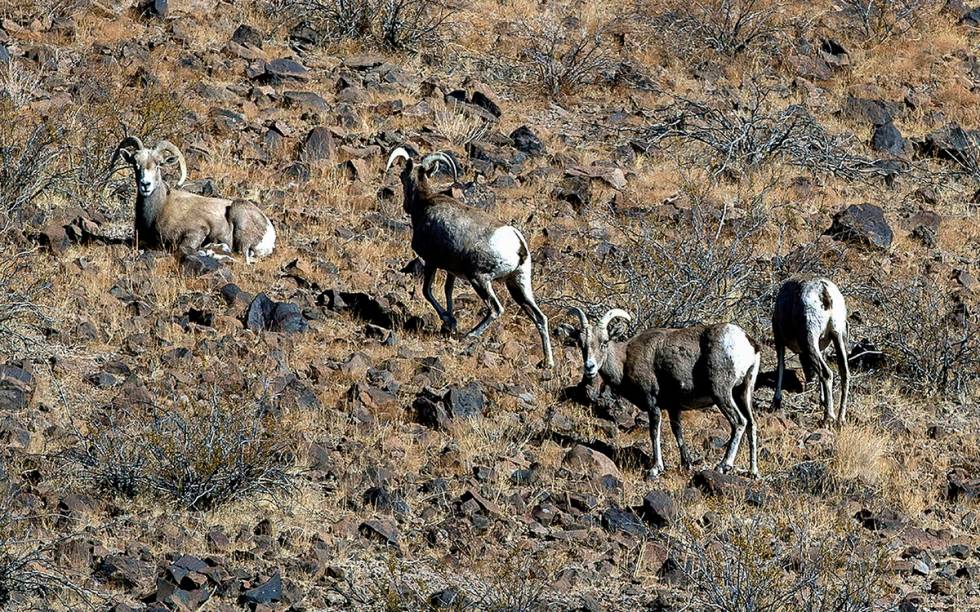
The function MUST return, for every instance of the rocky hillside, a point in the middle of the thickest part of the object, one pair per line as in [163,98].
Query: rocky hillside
[192,433]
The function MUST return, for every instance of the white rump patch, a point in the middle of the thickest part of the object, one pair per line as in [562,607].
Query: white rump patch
[268,242]
[737,345]
[506,245]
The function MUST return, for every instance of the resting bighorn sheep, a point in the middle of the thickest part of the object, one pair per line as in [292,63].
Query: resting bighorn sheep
[809,314]
[466,243]
[179,219]
[675,370]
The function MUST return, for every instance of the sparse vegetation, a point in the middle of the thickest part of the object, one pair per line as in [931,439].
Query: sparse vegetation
[198,457]
[761,566]
[392,24]
[170,438]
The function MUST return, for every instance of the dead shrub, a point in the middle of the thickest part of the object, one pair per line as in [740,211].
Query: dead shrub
[196,456]
[740,133]
[727,27]
[393,24]
[929,337]
[707,273]
[759,565]
[27,569]
[876,21]
[29,154]
[560,53]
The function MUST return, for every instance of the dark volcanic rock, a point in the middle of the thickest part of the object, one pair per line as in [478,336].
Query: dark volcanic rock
[199,265]
[658,508]
[286,68]
[267,315]
[626,521]
[527,141]
[878,521]
[383,530]
[576,190]
[268,592]
[961,486]
[887,139]
[864,224]
[16,388]
[318,145]
[950,142]
[435,410]
[875,112]
[246,34]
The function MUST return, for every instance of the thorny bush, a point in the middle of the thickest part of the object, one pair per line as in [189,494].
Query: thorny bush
[764,566]
[392,24]
[561,53]
[195,456]
[705,274]
[727,27]
[929,336]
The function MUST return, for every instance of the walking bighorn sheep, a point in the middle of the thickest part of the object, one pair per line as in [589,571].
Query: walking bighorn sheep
[676,370]
[809,314]
[179,219]
[466,243]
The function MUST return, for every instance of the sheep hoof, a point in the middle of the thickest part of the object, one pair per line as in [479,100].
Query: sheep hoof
[448,327]
[723,468]
[654,473]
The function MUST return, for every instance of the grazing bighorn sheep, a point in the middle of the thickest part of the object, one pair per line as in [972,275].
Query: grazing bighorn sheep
[466,243]
[168,218]
[675,370]
[809,314]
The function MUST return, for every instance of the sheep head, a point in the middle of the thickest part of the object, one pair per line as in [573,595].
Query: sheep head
[148,163]
[415,177]
[594,340]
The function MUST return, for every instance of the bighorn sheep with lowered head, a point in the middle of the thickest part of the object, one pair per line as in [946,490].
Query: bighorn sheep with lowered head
[809,314]
[676,370]
[186,221]
[466,243]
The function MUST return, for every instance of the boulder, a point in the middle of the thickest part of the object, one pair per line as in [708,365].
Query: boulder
[264,314]
[284,68]
[863,224]
[658,509]
[527,141]
[887,139]
[318,145]
[266,593]
[590,462]
[16,388]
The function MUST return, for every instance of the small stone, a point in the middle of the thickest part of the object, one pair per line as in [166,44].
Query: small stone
[268,592]
[658,509]
[864,224]
[590,463]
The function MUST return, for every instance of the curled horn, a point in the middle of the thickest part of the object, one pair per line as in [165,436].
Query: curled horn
[398,153]
[609,316]
[440,157]
[583,321]
[167,146]
[127,142]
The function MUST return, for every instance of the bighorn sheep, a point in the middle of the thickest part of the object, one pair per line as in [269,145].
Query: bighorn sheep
[466,243]
[809,314]
[168,218]
[676,370]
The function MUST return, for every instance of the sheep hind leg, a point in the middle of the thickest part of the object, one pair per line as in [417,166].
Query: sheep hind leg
[825,377]
[726,403]
[840,349]
[519,286]
[744,402]
[484,289]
